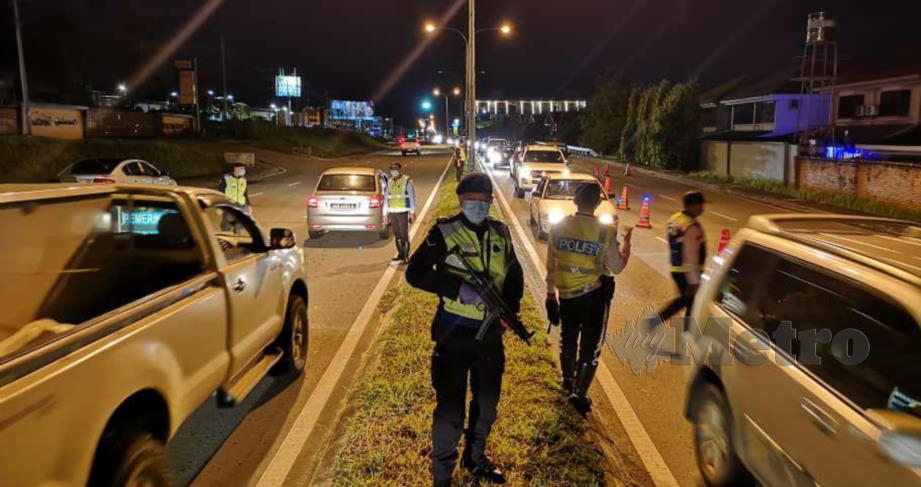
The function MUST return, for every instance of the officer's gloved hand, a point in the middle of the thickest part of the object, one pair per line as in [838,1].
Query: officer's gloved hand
[552,305]
[469,295]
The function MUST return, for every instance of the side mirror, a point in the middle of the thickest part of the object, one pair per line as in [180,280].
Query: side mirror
[901,436]
[281,238]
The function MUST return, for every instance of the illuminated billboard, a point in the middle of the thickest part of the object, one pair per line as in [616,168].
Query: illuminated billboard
[351,110]
[288,86]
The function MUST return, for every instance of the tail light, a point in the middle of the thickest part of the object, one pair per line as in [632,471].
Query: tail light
[312,201]
[376,201]
[103,181]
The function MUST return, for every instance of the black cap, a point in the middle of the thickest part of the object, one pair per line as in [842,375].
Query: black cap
[692,198]
[588,195]
[475,182]
[237,164]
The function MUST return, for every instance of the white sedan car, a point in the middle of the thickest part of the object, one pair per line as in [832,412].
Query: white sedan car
[115,170]
[552,200]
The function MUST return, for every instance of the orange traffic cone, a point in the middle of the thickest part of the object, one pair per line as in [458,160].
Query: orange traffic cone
[597,172]
[644,215]
[608,185]
[623,203]
[627,170]
[607,170]
[724,241]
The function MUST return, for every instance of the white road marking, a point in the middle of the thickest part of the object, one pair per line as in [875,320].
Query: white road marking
[858,242]
[667,197]
[645,448]
[662,240]
[294,183]
[724,216]
[281,463]
[255,195]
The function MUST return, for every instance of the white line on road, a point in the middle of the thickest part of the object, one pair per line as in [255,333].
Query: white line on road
[645,448]
[662,240]
[255,195]
[667,197]
[281,463]
[724,216]
[294,183]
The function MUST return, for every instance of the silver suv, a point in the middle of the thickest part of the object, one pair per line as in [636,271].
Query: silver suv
[806,368]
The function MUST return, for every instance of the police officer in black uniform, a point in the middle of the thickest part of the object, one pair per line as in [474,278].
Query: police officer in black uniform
[459,358]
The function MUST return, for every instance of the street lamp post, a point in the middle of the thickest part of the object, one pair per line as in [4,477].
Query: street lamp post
[23,81]
[470,43]
[437,92]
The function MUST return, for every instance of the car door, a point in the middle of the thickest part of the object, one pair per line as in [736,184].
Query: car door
[536,195]
[253,279]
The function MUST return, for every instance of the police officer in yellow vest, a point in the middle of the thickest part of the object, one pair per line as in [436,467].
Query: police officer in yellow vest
[582,256]
[459,358]
[687,245]
[234,186]
[400,209]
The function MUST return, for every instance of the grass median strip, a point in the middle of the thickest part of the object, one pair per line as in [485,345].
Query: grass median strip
[538,438]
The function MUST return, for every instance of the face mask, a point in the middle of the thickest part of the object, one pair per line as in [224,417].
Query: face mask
[240,173]
[475,211]
[395,173]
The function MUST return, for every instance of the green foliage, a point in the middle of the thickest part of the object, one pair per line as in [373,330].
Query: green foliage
[322,142]
[662,125]
[604,118]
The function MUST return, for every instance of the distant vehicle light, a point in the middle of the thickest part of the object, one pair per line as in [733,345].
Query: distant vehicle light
[494,157]
[606,219]
[438,139]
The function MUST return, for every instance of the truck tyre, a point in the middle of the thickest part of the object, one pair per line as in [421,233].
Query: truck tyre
[717,460]
[293,339]
[143,463]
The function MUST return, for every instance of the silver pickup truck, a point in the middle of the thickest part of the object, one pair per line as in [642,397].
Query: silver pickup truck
[124,308]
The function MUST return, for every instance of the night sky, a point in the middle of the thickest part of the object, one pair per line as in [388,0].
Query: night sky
[349,48]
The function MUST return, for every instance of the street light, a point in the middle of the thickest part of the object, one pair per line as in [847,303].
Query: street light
[470,43]
[457,91]
[122,88]
[437,92]
[426,105]
[210,92]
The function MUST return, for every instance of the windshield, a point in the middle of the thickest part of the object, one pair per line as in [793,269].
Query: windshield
[95,166]
[565,189]
[543,156]
[346,182]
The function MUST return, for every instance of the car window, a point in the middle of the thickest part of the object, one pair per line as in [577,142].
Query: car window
[76,259]
[743,282]
[133,169]
[236,234]
[94,166]
[150,170]
[346,182]
[565,189]
[864,343]
[543,156]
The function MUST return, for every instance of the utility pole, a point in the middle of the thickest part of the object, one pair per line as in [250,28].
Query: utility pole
[224,76]
[23,81]
[471,83]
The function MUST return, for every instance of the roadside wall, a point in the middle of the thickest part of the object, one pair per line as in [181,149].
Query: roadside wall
[770,161]
[894,183]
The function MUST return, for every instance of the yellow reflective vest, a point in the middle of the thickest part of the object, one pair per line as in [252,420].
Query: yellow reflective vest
[579,243]
[397,196]
[678,225]
[489,255]
[235,189]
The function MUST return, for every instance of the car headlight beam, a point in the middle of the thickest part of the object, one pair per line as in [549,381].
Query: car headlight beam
[606,219]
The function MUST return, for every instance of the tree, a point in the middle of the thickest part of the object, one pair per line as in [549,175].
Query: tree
[628,134]
[680,126]
[603,119]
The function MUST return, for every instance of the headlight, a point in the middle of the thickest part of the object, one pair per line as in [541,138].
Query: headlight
[555,217]
[606,219]
[495,157]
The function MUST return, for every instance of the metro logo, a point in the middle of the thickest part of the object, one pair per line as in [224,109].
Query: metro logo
[578,246]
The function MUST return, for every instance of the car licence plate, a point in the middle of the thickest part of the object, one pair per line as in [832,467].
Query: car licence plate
[343,206]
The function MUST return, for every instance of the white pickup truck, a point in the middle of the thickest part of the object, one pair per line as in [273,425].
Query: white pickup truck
[124,308]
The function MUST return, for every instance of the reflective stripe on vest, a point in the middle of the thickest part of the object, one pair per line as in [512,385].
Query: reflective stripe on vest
[235,189]
[677,227]
[457,235]
[397,194]
[581,243]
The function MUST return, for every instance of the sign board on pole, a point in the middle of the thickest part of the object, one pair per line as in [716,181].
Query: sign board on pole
[287,86]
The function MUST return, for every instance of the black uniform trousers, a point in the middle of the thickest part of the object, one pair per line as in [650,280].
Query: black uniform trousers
[456,360]
[399,222]
[584,320]
[682,302]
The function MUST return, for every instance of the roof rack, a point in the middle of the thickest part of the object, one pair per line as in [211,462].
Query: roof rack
[771,224]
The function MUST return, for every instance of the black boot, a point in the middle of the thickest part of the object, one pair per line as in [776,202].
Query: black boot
[442,483]
[568,366]
[579,397]
[483,469]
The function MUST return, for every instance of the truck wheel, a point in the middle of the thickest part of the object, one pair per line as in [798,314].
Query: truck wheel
[294,338]
[143,463]
[716,456]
